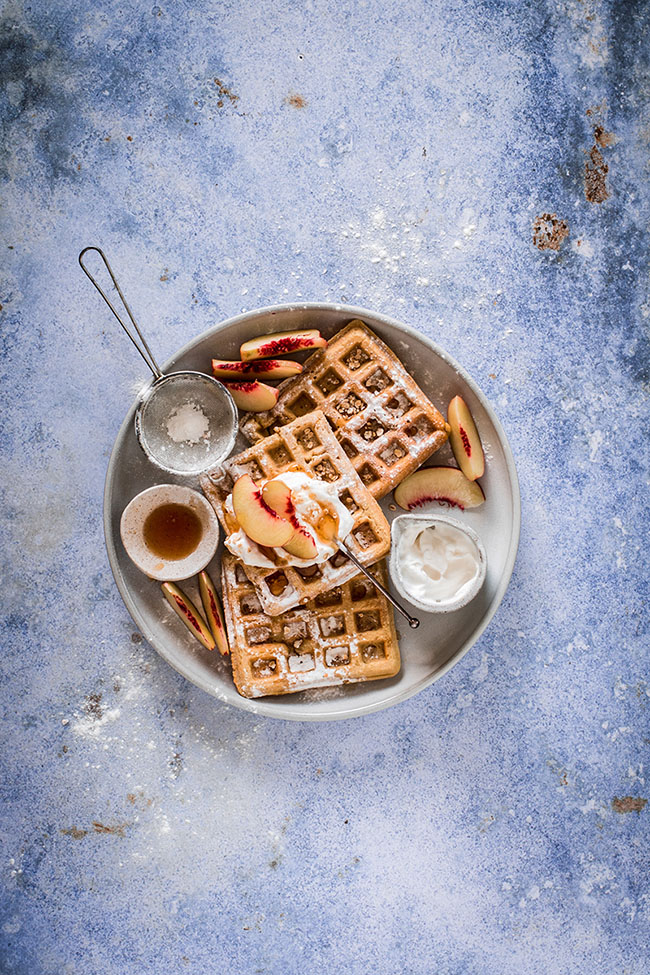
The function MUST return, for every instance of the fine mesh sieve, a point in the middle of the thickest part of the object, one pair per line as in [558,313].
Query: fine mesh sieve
[164,399]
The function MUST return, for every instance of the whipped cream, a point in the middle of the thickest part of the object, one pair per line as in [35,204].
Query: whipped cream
[438,564]
[312,499]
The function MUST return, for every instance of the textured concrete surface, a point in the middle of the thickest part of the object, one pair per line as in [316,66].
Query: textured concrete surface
[478,169]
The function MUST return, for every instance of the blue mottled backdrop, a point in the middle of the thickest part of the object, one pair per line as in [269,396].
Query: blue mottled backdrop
[479,170]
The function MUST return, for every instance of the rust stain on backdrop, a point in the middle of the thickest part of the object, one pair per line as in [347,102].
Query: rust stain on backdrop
[596,170]
[225,92]
[549,232]
[118,829]
[93,706]
[628,804]
[296,101]
[604,139]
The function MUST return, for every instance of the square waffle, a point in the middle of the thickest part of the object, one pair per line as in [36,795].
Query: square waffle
[306,444]
[382,419]
[341,636]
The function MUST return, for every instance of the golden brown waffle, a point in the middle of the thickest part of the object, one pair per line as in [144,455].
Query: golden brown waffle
[342,636]
[307,444]
[383,420]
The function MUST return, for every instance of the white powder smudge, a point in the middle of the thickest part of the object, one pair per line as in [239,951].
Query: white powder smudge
[90,726]
[595,443]
[591,805]
[598,877]
[480,673]
[463,700]
[13,926]
[582,247]
[589,32]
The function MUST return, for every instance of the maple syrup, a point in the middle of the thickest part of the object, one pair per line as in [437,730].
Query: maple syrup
[172,531]
[327,526]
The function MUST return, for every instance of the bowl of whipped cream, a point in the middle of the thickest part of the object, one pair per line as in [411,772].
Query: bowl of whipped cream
[436,562]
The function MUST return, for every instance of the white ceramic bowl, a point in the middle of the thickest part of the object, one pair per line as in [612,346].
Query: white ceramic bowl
[467,593]
[132,524]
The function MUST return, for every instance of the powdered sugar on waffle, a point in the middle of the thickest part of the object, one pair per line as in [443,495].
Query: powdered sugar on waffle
[342,636]
[307,444]
[382,419]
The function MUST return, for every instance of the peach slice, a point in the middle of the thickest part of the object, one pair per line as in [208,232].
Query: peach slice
[213,612]
[257,519]
[266,368]
[253,396]
[447,485]
[190,615]
[278,497]
[301,544]
[281,343]
[464,439]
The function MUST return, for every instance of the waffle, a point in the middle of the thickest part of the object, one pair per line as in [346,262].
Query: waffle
[342,636]
[382,419]
[307,444]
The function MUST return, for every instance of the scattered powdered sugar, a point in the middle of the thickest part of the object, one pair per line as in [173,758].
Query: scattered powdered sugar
[301,662]
[331,625]
[90,725]
[596,440]
[188,424]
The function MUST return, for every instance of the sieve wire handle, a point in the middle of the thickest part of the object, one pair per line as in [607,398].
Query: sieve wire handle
[140,345]
[413,621]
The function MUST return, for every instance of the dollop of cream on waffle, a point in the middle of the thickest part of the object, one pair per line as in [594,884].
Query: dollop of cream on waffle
[312,499]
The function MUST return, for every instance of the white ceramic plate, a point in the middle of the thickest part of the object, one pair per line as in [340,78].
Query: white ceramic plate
[427,653]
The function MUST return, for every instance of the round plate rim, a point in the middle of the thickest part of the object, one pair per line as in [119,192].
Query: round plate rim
[258,706]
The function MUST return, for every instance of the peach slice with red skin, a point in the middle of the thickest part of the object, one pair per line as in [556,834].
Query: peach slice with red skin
[301,544]
[253,396]
[464,439]
[264,368]
[278,497]
[256,518]
[446,485]
[213,612]
[282,343]
[189,614]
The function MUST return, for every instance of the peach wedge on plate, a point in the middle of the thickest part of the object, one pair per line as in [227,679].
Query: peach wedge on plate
[189,614]
[282,343]
[253,396]
[213,612]
[224,369]
[446,485]
[464,439]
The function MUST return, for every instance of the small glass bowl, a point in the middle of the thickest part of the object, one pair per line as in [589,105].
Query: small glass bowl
[170,393]
[467,593]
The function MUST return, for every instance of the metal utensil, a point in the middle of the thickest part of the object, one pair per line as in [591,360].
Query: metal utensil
[167,395]
[413,622]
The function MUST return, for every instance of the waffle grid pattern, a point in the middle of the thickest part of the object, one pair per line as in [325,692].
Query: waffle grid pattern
[307,444]
[342,636]
[382,419]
